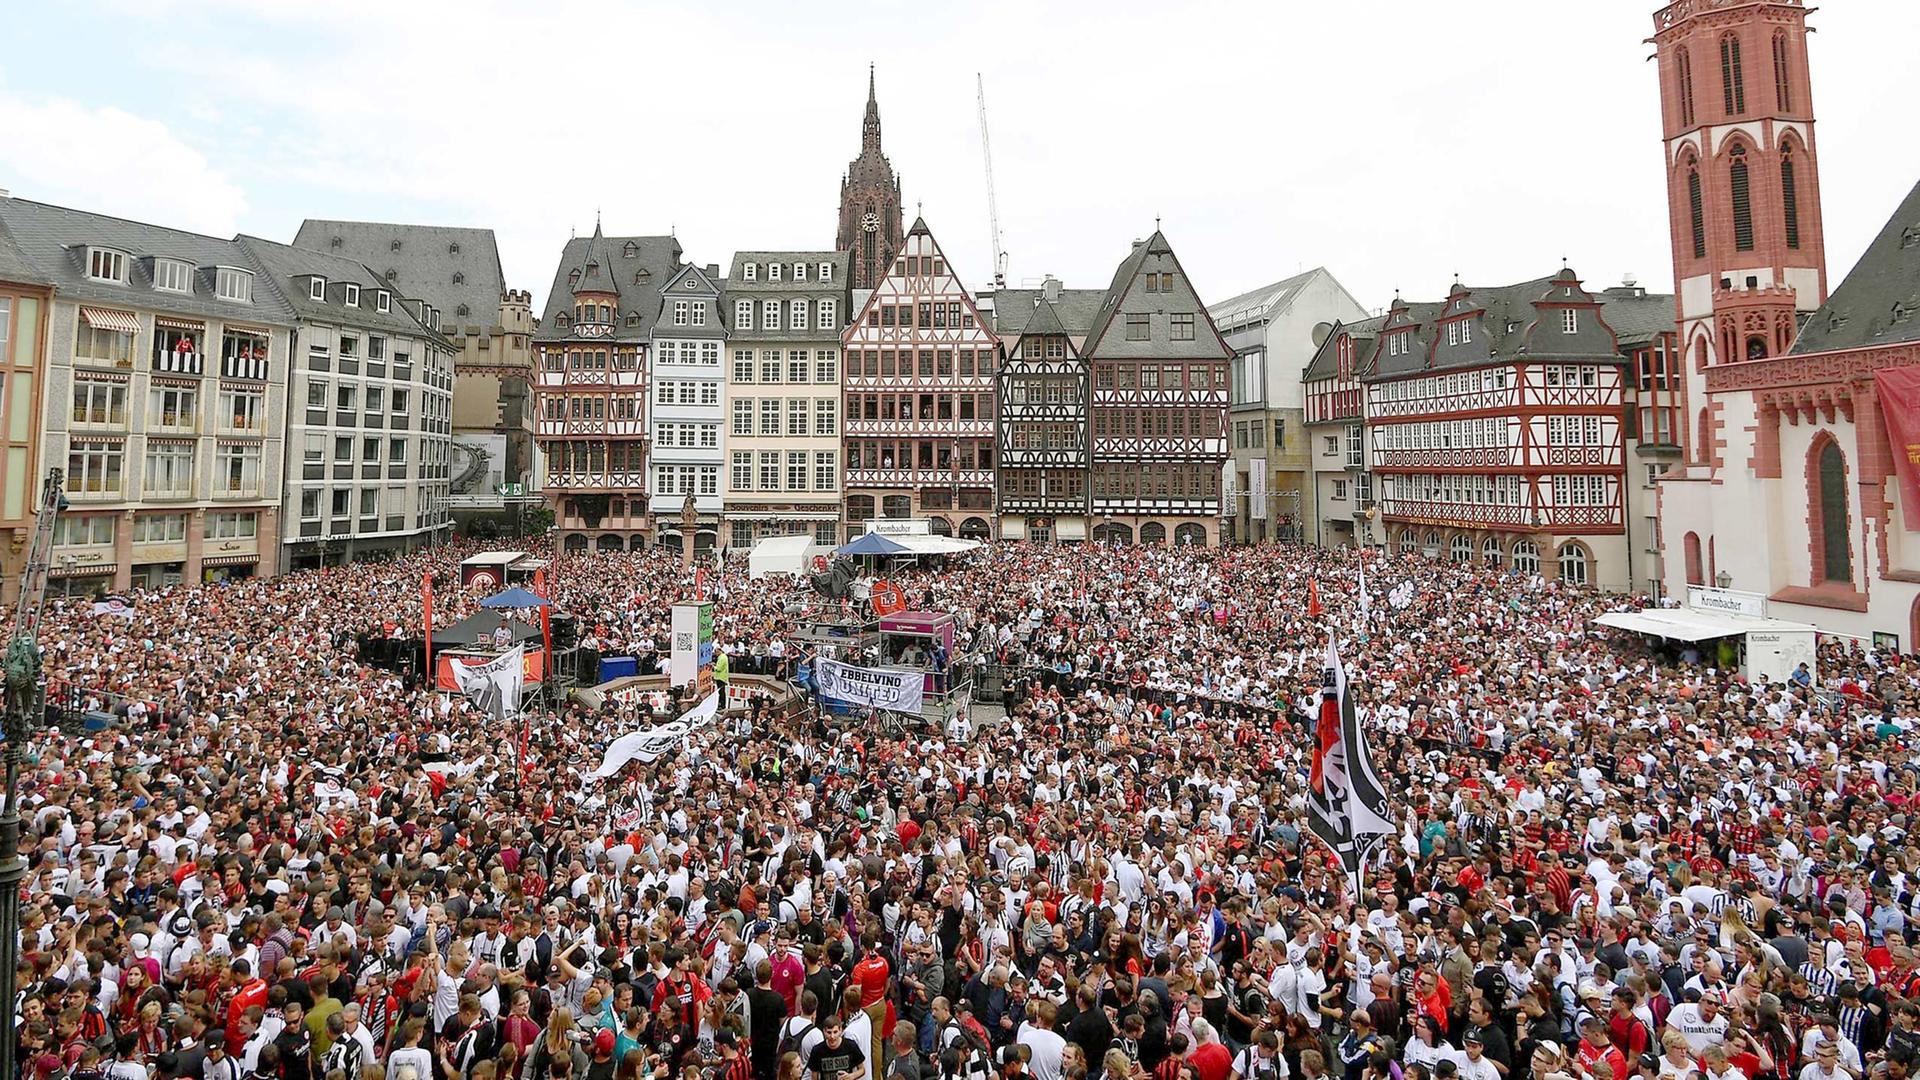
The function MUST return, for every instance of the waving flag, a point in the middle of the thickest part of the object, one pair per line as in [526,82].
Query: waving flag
[495,685]
[1345,800]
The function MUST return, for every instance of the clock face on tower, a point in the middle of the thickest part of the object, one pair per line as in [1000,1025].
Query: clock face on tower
[870,223]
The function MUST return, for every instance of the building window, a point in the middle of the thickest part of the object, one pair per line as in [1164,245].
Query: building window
[1733,85]
[743,310]
[769,470]
[825,366]
[770,312]
[825,469]
[1790,202]
[1573,563]
[770,416]
[94,468]
[773,271]
[1696,214]
[383,303]
[98,403]
[160,528]
[796,470]
[106,265]
[826,271]
[1490,552]
[102,345]
[172,408]
[91,530]
[828,313]
[1684,70]
[740,472]
[796,416]
[1340,490]
[1137,328]
[1782,87]
[798,319]
[1460,548]
[236,469]
[246,525]
[1833,546]
[797,369]
[169,470]
[1742,202]
[679,313]
[1526,557]
[699,313]
[1570,320]
[172,275]
[1181,327]
[750,272]
[234,286]
[353,300]
[743,365]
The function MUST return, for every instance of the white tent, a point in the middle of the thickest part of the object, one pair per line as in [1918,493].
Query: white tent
[781,555]
[932,544]
[1771,647]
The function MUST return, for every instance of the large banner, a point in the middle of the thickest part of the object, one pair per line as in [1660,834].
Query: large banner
[648,744]
[903,691]
[495,685]
[1899,391]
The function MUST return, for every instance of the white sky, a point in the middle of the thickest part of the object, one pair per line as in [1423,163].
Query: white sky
[1395,142]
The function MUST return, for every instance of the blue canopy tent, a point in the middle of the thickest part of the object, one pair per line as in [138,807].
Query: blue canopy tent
[513,598]
[873,544]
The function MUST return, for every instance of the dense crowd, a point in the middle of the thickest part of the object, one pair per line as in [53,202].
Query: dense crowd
[1614,862]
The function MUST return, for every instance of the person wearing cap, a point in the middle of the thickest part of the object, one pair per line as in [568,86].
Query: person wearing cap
[1472,1063]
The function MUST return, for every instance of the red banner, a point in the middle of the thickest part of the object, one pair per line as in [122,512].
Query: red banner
[1899,392]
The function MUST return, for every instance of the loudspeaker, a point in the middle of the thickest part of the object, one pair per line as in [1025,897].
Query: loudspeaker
[566,632]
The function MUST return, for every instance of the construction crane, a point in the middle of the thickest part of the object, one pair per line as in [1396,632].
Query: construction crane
[24,703]
[993,203]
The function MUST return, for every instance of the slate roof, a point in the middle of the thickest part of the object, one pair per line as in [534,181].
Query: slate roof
[289,269]
[1636,315]
[737,282]
[424,265]
[1505,328]
[14,264]
[53,239]
[1861,312]
[1260,302]
[705,287]
[659,256]
[1074,308]
[1206,342]
[1363,332]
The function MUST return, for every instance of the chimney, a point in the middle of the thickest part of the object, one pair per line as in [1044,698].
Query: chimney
[1137,242]
[713,270]
[1050,288]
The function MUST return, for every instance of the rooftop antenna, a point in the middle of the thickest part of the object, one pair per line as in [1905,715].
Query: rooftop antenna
[996,245]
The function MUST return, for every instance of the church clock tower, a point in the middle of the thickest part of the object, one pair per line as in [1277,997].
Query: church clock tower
[871,227]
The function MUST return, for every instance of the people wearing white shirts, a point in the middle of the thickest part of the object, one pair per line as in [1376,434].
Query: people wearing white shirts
[1045,1045]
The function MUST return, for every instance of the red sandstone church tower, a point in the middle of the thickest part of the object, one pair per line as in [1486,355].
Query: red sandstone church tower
[1743,192]
[871,225]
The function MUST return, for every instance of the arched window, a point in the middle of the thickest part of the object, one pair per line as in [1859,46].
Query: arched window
[1757,347]
[1742,201]
[1573,563]
[1153,533]
[1460,548]
[1782,88]
[1697,213]
[1827,513]
[1683,71]
[940,526]
[1703,430]
[1190,534]
[1700,353]
[1409,543]
[1733,83]
[1433,544]
[1789,201]
[1696,572]
[1490,552]
[1526,557]
[897,506]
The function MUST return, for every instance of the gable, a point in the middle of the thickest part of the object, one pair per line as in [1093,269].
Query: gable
[1151,290]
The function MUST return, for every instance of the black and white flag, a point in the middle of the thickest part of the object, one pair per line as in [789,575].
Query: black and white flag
[1346,802]
[495,685]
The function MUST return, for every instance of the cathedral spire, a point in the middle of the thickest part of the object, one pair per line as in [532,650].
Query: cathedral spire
[870,128]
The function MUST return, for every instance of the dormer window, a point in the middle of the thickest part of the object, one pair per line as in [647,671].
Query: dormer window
[750,272]
[799,271]
[1901,312]
[105,264]
[573,277]
[463,311]
[632,249]
[383,301]
[459,278]
[1570,321]
[642,276]
[773,271]
[1910,236]
[317,289]
[233,285]
[335,242]
[826,271]
[172,275]
[353,295]
[593,269]
[562,318]
[453,248]
[392,274]
[394,246]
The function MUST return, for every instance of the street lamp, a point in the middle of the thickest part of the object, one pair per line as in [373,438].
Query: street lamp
[1723,579]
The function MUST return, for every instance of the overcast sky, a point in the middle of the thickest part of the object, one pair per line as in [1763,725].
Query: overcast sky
[1395,142]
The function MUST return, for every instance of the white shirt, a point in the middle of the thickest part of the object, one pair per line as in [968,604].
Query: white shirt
[1699,1032]
[1047,1048]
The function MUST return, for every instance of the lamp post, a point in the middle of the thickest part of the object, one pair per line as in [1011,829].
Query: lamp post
[1723,579]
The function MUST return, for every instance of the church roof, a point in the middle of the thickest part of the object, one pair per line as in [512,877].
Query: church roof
[1879,302]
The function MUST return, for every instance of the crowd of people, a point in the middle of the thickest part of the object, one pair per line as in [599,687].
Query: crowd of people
[283,862]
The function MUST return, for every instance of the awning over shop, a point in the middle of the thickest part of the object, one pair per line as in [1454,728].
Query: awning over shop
[117,321]
[1692,624]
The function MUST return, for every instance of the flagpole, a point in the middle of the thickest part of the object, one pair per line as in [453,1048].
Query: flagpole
[426,597]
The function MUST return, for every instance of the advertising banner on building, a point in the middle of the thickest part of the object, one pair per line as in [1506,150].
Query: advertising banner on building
[1257,479]
[692,658]
[477,469]
[1899,391]
[880,688]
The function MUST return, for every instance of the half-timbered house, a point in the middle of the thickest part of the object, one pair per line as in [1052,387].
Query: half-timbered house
[1043,396]
[1496,428]
[591,392]
[919,412]
[1158,404]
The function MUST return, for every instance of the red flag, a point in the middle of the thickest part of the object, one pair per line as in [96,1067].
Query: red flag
[1899,393]
[1313,597]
